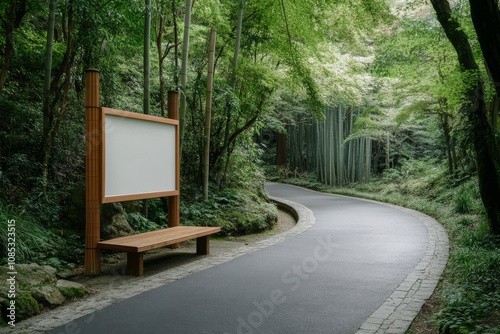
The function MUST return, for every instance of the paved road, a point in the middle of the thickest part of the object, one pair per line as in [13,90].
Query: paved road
[328,279]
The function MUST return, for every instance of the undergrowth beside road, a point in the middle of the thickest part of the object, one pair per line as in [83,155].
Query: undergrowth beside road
[236,211]
[468,295]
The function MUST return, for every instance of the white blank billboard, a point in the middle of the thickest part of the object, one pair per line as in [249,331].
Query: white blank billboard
[139,156]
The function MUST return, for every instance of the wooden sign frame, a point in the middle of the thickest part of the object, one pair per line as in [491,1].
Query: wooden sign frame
[95,133]
[140,156]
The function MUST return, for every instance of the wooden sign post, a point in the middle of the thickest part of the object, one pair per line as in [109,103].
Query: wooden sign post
[174,202]
[118,168]
[93,166]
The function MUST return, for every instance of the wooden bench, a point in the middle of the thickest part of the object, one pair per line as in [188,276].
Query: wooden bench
[135,245]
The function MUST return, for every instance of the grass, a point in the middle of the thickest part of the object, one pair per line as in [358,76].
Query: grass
[29,239]
[467,299]
[34,242]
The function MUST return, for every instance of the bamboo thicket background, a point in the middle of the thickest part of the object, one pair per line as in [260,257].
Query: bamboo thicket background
[330,148]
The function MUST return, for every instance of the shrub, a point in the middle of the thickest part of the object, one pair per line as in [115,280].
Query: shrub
[463,313]
[463,201]
[237,212]
[156,211]
[140,223]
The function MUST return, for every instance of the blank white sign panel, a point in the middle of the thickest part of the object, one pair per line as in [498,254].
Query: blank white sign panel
[140,157]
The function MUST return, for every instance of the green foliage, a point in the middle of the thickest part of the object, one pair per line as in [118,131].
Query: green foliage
[477,265]
[67,252]
[473,300]
[26,306]
[35,243]
[140,223]
[72,293]
[275,61]
[463,201]
[463,314]
[245,169]
[32,241]
[157,212]
[237,212]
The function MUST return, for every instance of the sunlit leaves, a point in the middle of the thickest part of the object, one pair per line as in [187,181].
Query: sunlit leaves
[342,78]
[417,55]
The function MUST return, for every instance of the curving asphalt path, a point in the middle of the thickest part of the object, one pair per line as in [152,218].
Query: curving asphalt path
[329,279]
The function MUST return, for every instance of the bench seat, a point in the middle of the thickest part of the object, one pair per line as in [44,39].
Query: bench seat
[135,245]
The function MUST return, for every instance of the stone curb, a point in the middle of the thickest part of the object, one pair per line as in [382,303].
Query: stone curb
[399,310]
[126,287]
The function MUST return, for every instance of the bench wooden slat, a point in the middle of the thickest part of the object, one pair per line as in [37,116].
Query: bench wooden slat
[136,244]
[155,239]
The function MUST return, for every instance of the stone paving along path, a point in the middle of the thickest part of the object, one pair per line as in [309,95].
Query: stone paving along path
[350,265]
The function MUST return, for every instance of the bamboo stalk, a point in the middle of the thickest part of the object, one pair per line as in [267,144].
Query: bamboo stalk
[208,111]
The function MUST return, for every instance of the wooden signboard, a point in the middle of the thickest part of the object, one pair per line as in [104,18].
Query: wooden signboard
[129,156]
[139,156]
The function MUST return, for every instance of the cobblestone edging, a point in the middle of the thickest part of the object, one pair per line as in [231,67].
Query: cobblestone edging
[399,310]
[126,287]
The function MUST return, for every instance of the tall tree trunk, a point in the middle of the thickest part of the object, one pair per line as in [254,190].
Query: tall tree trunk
[486,18]
[208,112]
[147,56]
[147,73]
[53,92]
[387,151]
[176,46]
[48,113]
[159,26]
[162,24]
[494,109]
[237,41]
[233,79]
[281,151]
[376,157]
[184,65]
[481,131]
[447,137]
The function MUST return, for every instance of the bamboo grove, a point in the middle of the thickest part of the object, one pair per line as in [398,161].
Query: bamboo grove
[330,149]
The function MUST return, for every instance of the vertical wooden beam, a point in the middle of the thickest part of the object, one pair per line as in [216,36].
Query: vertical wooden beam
[135,264]
[174,202]
[203,245]
[281,152]
[93,144]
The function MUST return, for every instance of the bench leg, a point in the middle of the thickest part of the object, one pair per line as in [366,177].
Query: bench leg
[174,246]
[202,245]
[135,264]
